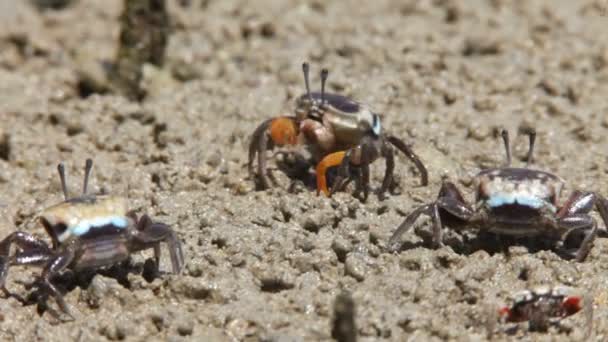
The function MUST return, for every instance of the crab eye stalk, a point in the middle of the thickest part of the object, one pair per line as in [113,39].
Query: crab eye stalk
[505,138]
[64,187]
[87,171]
[324,75]
[305,69]
[531,133]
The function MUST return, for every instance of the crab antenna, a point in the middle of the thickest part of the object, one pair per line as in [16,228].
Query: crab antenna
[532,136]
[324,74]
[505,139]
[64,187]
[87,171]
[305,69]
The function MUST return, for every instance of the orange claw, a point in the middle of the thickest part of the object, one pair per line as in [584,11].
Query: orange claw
[283,131]
[330,160]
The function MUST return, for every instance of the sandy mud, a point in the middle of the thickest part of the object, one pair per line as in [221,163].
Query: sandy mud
[267,265]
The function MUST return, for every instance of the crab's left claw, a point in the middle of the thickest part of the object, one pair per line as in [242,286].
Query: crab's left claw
[331,160]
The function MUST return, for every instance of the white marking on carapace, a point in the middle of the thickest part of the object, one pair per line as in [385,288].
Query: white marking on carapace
[80,216]
[534,192]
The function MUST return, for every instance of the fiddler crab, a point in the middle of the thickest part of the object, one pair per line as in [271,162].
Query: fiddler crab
[518,202]
[340,131]
[544,306]
[86,232]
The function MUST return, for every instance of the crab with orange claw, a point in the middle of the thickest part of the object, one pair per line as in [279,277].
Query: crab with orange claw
[341,132]
[87,232]
[542,307]
[517,202]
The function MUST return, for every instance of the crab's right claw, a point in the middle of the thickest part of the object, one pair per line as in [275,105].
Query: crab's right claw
[331,160]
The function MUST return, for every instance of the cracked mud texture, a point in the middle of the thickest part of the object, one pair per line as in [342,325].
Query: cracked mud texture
[267,265]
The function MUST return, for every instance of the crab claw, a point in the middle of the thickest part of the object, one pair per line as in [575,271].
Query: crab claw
[572,305]
[283,131]
[330,160]
[504,313]
[280,131]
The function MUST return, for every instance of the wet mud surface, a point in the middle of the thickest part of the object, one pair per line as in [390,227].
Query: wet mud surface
[267,265]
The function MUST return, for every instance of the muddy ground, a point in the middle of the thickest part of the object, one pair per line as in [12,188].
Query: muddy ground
[267,265]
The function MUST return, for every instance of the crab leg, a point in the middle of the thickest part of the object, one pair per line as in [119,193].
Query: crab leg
[575,222]
[389,156]
[574,216]
[55,266]
[408,152]
[450,200]
[258,145]
[362,156]
[578,203]
[394,243]
[344,174]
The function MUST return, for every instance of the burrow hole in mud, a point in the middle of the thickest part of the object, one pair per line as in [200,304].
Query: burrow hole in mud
[524,274]
[85,89]
[219,242]
[274,285]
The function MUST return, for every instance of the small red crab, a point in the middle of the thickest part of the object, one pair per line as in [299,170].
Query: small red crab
[543,306]
[340,131]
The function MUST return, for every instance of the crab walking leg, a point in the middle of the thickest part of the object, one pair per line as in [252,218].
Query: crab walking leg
[365,177]
[587,243]
[578,203]
[574,215]
[55,266]
[331,160]
[389,156]
[394,243]
[362,156]
[579,222]
[258,144]
[450,200]
[408,152]
[367,154]
[344,174]
[602,206]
